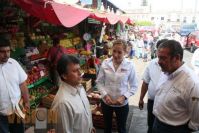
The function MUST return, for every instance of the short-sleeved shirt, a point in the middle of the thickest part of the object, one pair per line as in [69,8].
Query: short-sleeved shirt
[151,77]
[11,76]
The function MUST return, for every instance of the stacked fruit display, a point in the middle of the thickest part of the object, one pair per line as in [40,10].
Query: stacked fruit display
[89,71]
[36,73]
[37,93]
[67,43]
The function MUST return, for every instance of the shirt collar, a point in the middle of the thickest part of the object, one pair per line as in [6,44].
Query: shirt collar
[72,90]
[175,73]
[156,61]
[110,62]
[8,62]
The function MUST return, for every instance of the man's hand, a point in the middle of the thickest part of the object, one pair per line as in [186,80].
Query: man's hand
[141,104]
[120,100]
[25,96]
[27,106]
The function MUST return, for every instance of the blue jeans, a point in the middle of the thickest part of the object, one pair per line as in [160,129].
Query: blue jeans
[121,117]
[13,127]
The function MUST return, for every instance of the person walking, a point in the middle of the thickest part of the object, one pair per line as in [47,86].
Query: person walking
[149,84]
[13,88]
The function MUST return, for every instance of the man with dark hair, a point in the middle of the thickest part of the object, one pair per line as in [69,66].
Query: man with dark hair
[12,89]
[150,80]
[53,56]
[71,103]
[176,103]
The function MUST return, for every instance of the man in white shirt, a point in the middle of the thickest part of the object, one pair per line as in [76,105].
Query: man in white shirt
[176,104]
[12,89]
[149,84]
[71,103]
[195,61]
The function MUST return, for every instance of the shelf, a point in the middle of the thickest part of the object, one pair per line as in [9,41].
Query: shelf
[38,82]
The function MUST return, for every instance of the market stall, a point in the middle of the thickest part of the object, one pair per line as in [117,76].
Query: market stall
[31,38]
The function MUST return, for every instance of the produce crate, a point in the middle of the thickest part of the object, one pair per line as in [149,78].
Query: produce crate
[93,99]
[86,83]
[98,121]
[47,100]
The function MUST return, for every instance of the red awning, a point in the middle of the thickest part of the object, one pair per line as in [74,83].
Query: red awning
[54,13]
[66,15]
[110,18]
[99,16]
[38,10]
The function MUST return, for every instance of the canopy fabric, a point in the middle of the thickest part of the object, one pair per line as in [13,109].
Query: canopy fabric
[66,15]
[99,16]
[38,10]
[112,18]
[69,16]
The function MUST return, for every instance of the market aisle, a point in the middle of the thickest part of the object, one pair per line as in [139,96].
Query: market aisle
[138,123]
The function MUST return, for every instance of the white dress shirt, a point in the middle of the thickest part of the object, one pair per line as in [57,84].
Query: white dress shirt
[151,77]
[73,109]
[116,83]
[11,76]
[177,100]
[195,61]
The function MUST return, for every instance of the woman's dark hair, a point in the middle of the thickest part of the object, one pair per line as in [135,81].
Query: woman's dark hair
[4,42]
[64,61]
[174,47]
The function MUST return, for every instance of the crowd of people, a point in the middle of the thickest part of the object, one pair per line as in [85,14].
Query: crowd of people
[173,89]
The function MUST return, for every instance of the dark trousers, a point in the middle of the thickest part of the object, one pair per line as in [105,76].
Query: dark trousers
[151,117]
[11,125]
[160,127]
[121,117]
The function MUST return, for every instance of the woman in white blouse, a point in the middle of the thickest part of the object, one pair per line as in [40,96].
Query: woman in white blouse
[116,82]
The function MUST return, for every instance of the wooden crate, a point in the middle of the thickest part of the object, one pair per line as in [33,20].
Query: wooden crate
[98,120]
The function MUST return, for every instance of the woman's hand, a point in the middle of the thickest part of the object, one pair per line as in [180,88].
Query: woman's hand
[120,100]
[108,100]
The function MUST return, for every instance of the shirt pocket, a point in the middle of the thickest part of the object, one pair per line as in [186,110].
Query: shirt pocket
[174,99]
